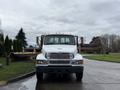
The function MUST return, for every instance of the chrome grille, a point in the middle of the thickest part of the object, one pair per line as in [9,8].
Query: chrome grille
[59,56]
[59,62]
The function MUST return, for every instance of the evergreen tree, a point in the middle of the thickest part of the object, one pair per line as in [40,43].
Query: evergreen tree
[1,44]
[17,46]
[1,38]
[21,38]
[7,45]
[11,44]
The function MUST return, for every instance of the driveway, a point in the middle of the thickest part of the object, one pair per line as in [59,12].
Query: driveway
[98,75]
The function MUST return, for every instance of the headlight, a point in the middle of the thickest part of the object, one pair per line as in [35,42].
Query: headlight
[41,62]
[47,55]
[71,56]
[77,62]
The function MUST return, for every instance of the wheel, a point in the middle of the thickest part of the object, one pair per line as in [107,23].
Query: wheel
[79,76]
[39,76]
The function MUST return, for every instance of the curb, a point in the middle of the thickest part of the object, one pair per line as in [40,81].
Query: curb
[3,83]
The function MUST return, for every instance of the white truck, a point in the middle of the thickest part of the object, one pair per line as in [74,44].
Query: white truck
[59,54]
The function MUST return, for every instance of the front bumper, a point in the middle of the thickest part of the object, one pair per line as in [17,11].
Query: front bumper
[59,69]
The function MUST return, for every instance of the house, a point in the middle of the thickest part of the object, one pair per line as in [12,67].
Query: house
[93,47]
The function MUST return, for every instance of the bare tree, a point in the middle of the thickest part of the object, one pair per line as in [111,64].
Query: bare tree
[118,44]
[105,43]
[110,43]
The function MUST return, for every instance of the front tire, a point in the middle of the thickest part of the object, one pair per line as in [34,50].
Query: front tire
[79,76]
[39,76]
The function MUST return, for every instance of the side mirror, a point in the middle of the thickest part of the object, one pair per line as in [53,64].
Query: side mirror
[78,44]
[37,40]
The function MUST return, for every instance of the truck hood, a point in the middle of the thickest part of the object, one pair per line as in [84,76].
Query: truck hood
[59,48]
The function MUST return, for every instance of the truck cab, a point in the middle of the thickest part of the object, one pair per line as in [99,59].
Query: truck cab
[59,54]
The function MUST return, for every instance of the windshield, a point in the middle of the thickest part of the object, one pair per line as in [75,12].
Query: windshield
[59,39]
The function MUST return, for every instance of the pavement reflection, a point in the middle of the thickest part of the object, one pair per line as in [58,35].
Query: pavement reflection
[55,82]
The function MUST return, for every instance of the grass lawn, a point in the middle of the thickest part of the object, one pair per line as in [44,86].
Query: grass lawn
[113,57]
[14,69]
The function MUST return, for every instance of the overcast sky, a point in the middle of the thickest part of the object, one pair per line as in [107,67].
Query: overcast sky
[86,18]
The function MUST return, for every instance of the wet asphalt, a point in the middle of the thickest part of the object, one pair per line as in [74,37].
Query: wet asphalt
[98,75]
